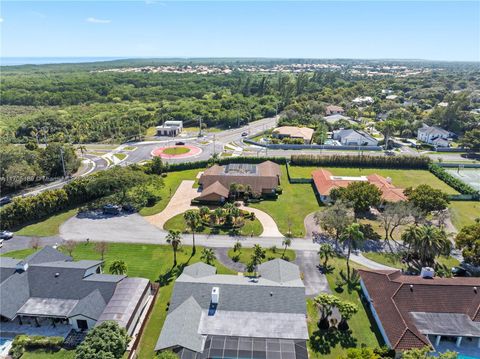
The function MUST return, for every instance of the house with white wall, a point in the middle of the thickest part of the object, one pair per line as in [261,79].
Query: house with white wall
[434,135]
[351,137]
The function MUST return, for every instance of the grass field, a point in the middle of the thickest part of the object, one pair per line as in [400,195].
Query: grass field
[245,254]
[47,227]
[400,178]
[178,223]
[393,260]
[464,213]
[176,150]
[44,354]
[363,329]
[171,183]
[120,156]
[293,205]
[148,261]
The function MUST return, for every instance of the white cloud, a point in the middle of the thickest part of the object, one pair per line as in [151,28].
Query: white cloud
[94,20]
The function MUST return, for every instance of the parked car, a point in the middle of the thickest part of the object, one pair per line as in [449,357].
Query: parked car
[6,235]
[5,200]
[111,209]
[389,153]
[244,134]
[180,143]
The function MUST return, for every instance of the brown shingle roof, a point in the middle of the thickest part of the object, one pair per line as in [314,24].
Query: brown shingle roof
[215,188]
[394,296]
[333,109]
[296,132]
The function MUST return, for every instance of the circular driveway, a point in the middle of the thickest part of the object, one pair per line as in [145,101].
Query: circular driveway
[193,151]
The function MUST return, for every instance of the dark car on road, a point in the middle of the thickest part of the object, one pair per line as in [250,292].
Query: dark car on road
[244,134]
[6,235]
[5,200]
[180,143]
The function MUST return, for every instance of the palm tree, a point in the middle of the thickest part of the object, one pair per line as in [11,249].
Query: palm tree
[237,246]
[218,215]
[118,267]
[234,190]
[204,212]
[426,243]
[174,238]
[352,237]
[192,219]
[82,149]
[208,255]
[287,242]
[326,252]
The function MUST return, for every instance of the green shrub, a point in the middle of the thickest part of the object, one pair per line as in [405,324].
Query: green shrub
[453,182]
[23,343]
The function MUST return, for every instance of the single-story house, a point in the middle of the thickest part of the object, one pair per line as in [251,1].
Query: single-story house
[350,137]
[430,134]
[263,179]
[304,133]
[324,182]
[418,311]
[231,316]
[335,118]
[334,110]
[363,100]
[49,288]
[170,128]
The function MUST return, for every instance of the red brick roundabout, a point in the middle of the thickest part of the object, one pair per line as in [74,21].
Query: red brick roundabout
[193,151]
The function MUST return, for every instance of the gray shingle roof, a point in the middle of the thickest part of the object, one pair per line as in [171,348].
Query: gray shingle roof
[83,264]
[14,291]
[280,271]
[49,307]
[47,254]
[181,328]
[199,270]
[90,306]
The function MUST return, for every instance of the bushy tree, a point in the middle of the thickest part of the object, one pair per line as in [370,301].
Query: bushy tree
[106,341]
[325,303]
[427,198]
[361,195]
[335,218]
[468,241]
[471,140]
[166,354]
[425,353]
[347,310]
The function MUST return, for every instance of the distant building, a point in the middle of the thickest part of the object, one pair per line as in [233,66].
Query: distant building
[263,179]
[391,97]
[170,128]
[49,289]
[366,100]
[434,135]
[335,118]
[231,316]
[303,133]
[418,311]
[334,110]
[350,137]
[324,182]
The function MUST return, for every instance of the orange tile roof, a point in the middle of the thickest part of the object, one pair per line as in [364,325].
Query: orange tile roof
[324,182]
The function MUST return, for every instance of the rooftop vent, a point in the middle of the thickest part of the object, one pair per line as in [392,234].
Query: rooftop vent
[21,266]
[57,275]
[215,295]
[427,272]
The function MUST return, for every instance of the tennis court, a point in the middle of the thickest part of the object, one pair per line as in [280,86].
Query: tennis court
[470,176]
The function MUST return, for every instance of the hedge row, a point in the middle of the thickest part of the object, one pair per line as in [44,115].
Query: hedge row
[404,162]
[23,343]
[453,182]
[172,167]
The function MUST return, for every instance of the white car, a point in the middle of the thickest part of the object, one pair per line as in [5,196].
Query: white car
[6,235]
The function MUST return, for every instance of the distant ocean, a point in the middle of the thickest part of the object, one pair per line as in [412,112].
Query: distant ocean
[15,61]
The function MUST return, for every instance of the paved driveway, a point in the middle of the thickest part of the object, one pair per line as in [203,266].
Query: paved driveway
[270,228]
[315,281]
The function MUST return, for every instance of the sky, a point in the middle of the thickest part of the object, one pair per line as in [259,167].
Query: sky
[433,30]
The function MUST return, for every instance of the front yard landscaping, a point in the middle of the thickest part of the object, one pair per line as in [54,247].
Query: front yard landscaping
[177,150]
[149,261]
[333,344]
[291,207]
[244,255]
[47,227]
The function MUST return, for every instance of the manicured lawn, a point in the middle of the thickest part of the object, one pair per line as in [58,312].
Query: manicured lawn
[176,150]
[363,330]
[171,183]
[293,205]
[245,254]
[42,354]
[120,156]
[400,178]
[148,261]
[464,213]
[393,260]
[129,148]
[151,131]
[178,223]
[47,227]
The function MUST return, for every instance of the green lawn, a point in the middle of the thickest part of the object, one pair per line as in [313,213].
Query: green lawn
[151,131]
[176,150]
[245,254]
[400,178]
[178,223]
[363,328]
[464,213]
[129,148]
[293,205]
[47,227]
[171,183]
[148,261]
[120,156]
[393,260]
[43,354]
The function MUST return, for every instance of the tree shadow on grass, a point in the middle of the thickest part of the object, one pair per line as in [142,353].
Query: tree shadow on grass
[322,341]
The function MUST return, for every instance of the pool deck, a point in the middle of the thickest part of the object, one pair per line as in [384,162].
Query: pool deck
[468,348]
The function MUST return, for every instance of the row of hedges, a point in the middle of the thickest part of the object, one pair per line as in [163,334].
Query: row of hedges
[366,161]
[172,167]
[23,343]
[453,182]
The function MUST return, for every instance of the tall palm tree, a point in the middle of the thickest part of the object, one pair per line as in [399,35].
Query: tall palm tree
[287,242]
[352,237]
[175,240]
[208,255]
[192,219]
[82,149]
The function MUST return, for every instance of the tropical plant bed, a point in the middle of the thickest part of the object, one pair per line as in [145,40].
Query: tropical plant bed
[177,150]
[244,255]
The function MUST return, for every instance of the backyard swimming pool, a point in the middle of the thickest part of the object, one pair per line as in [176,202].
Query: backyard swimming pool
[5,344]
